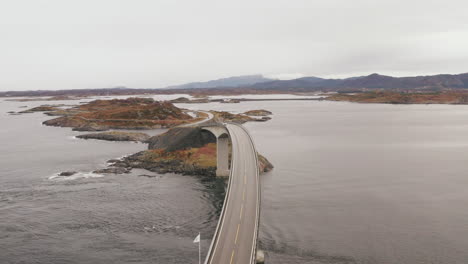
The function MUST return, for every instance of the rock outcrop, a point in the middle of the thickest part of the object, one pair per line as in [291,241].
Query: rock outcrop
[179,138]
[42,108]
[264,164]
[67,173]
[260,112]
[192,161]
[391,97]
[243,118]
[230,117]
[185,100]
[116,136]
[114,170]
[131,113]
[184,150]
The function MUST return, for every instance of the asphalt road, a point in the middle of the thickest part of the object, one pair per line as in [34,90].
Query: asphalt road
[237,233]
[210,116]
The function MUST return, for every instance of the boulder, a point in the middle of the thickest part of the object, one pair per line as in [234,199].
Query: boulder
[67,173]
[114,170]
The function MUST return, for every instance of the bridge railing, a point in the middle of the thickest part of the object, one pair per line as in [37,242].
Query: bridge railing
[221,216]
[257,175]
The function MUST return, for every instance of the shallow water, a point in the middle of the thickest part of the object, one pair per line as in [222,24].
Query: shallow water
[353,183]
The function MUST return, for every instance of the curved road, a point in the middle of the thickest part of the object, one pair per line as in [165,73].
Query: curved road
[210,116]
[235,239]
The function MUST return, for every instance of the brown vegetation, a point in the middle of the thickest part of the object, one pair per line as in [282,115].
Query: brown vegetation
[132,113]
[185,150]
[260,112]
[446,97]
[42,108]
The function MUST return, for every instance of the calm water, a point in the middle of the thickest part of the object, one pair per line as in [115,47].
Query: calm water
[352,183]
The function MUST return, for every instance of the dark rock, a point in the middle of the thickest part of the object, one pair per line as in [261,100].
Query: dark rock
[117,136]
[264,164]
[260,112]
[185,100]
[42,108]
[149,176]
[180,100]
[67,173]
[181,138]
[114,170]
[263,119]
[231,101]
[90,128]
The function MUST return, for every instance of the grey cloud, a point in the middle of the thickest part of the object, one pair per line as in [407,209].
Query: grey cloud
[56,44]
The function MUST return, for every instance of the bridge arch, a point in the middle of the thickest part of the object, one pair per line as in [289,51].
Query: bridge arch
[222,149]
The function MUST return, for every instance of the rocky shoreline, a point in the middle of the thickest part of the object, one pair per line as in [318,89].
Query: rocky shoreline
[131,113]
[116,136]
[392,97]
[183,150]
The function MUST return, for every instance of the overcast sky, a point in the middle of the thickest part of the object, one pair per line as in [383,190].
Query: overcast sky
[66,44]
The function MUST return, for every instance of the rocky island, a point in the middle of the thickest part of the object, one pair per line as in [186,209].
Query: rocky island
[248,116]
[260,112]
[42,108]
[184,150]
[131,113]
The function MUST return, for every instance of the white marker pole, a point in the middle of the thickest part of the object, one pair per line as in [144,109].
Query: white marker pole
[198,240]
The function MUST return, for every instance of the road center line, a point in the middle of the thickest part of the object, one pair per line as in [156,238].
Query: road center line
[242,209]
[237,233]
[232,256]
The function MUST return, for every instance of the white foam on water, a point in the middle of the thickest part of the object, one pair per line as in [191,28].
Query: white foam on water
[78,175]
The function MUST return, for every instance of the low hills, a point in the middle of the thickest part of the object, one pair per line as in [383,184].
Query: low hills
[257,84]
[373,81]
[236,81]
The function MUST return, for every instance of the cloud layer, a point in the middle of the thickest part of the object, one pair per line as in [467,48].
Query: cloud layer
[53,44]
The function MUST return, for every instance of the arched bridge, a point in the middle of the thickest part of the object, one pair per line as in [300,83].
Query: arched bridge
[235,238]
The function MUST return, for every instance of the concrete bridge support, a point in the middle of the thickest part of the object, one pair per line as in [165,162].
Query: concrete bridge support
[222,149]
[222,155]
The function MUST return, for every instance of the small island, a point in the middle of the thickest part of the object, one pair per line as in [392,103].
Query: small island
[260,112]
[131,113]
[394,97]
[188,150]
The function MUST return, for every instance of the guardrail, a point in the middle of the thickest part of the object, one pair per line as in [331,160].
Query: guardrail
[222,215]
[257,175]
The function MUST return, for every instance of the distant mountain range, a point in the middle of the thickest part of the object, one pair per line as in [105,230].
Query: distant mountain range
[259,84]
[373,81]
[245,80]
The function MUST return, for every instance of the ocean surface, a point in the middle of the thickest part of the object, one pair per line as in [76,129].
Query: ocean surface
[353,183]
